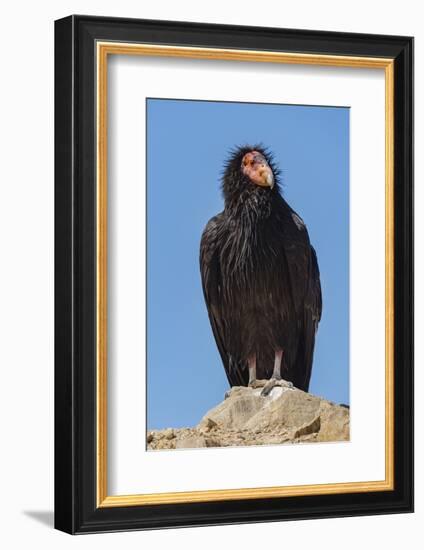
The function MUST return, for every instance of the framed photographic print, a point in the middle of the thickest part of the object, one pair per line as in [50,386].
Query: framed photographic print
[234,267]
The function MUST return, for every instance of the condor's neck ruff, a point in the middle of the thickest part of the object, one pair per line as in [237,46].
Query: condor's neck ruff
[252,204]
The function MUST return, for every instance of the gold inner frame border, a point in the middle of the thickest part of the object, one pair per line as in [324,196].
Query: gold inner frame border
[103,50]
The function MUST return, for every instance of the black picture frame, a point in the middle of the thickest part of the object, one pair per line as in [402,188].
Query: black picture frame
[76,509]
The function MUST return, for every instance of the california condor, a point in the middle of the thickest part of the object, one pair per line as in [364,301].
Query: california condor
[260,278]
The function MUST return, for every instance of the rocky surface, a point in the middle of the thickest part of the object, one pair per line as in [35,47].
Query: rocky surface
[245,417]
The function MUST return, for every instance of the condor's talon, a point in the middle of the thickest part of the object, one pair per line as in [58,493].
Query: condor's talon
[254,384]
[272,383]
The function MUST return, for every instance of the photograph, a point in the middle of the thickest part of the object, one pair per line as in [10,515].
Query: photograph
[247,273]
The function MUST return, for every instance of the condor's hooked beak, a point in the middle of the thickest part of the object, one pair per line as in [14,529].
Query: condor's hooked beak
[267,176]
[257,169]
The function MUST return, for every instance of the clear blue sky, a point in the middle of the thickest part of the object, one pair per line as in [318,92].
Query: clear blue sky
[187,142]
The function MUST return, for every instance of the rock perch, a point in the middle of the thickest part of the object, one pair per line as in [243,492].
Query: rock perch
[245,417]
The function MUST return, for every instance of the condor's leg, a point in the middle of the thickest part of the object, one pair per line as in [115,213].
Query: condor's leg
[253,381]
[276,379]
[251,362]
[278,360]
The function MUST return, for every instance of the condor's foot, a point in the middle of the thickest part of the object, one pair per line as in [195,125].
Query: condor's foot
[254,384]
[274,382]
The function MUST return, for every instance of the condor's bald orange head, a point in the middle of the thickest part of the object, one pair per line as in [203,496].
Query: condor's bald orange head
[255,167]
